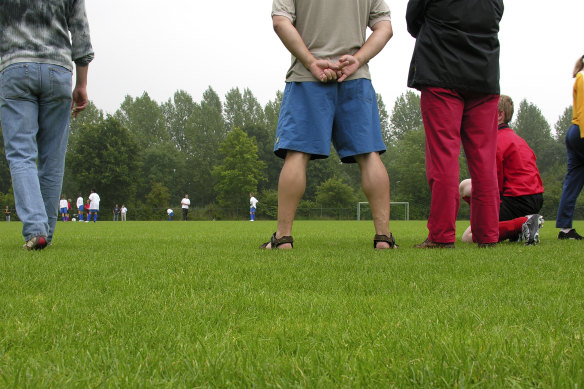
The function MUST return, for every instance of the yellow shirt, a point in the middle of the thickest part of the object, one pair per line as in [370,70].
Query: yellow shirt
[578,116]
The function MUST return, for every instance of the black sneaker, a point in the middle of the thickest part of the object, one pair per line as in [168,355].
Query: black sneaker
[530,229]
[36,243]
[572,234]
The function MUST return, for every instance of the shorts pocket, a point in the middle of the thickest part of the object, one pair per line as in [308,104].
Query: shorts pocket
[15,82]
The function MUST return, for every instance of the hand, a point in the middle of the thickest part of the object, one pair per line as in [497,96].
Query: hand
[323,70]
[347,65]
[79,100]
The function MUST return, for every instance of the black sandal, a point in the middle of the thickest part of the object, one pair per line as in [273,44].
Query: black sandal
[384,238]
[274,243]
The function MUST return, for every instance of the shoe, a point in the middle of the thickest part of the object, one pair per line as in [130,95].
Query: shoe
[572,234]
[487,245]
[36,243]
[434,245]
[530,229]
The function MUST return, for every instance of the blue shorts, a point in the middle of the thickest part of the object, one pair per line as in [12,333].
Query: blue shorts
[252,209]
[94,210]
[312,114]
[63,210]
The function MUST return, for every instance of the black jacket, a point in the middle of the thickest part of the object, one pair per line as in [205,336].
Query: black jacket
[457,44]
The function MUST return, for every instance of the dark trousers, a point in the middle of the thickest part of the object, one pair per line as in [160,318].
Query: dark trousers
[185,212]
[574,180]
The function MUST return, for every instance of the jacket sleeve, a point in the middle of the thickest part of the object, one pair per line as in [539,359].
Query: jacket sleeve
[415,16]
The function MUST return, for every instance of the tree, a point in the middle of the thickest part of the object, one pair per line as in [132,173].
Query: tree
[384,120]
[406,115]
[408,174]
[272,112]
[160,164]
[177,115]
[535,130]
[104,156]
[563,124]
[233,109]
[264,140]
[242,110]
[334,193]
[158,196]
[206,132]
[240,170]
[143,117]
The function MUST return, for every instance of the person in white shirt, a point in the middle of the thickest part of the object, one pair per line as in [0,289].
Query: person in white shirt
[80,207]
[63,208]
[169,212]
[252,207]
[185,203]
[123,212]
[93,206]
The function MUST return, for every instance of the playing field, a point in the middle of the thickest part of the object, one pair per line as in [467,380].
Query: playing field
[197,304]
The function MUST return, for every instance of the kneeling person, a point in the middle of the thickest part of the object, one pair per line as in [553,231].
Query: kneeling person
[520,185]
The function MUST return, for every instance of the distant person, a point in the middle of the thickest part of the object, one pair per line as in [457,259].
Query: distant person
[329,97]
[93,206]
[185,203]
[39,41]
[123,212]
[116,212]
[574,180]
[520,185]
[455,65]
[252,207]
[69,209]
[7,213]
[80,207]
[63,208]
[170,214]
[86,208]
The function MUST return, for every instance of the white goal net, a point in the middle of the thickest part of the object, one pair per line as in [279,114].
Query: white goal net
[400,210]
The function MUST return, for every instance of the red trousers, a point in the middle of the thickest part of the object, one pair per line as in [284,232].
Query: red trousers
[451,117]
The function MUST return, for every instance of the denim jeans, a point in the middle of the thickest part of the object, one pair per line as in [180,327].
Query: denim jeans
[35,109]
[574,180]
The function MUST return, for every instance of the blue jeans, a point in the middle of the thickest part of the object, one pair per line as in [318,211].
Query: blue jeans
[35,108]
[574,180]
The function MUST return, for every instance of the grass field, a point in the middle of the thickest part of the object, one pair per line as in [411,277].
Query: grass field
[197,304]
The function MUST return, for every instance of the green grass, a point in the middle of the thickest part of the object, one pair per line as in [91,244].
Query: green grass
[197,304]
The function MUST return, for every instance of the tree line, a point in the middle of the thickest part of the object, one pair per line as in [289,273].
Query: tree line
[148,155]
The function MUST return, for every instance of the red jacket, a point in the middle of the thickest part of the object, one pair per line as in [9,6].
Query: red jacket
[516,168]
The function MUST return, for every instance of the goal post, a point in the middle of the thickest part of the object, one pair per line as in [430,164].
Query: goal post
[364,211]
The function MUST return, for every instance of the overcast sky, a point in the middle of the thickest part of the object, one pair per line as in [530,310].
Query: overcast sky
[161,47]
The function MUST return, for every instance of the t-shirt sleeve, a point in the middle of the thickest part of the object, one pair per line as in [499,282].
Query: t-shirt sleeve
[379,11]
[284,8]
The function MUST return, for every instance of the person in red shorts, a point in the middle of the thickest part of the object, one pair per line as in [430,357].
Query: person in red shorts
[520,185]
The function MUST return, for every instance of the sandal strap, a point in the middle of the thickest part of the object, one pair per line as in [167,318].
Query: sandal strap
[275,242]
[384,238]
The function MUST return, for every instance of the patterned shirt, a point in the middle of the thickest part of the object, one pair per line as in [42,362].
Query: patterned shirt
[38,31]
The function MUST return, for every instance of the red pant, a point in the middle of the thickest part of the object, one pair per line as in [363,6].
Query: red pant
[450,117]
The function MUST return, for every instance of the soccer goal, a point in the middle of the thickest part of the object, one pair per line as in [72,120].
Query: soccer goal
[402,211]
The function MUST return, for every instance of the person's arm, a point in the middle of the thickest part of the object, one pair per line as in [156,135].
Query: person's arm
[415,16]
[80,92]
[349,64]
[322,70]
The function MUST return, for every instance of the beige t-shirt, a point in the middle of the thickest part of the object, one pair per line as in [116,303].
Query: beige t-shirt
[330,29]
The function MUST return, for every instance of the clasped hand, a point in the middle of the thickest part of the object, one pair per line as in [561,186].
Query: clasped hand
[326,71]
